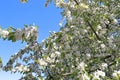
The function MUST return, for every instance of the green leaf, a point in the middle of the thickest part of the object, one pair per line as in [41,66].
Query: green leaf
[11,36]
[23,37]
[1,62]
[10,29]
[40,78]
[24,1]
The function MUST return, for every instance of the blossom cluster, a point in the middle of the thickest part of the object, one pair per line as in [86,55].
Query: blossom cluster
[3,33]
[85,48]
[27,34]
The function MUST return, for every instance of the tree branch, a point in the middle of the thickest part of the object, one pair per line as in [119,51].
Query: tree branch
[76,2]
[90,25]
[93,30]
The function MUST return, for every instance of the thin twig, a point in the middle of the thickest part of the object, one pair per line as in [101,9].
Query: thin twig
[66,74]
[76,2]
[90,25]
[93,30]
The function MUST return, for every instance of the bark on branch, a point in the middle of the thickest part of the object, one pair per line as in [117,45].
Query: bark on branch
[93,30]
[90,25]
[76,2]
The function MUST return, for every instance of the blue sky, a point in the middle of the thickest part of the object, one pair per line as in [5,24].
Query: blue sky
[16,14]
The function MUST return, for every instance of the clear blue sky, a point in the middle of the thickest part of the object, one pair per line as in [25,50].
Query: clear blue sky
[13,13]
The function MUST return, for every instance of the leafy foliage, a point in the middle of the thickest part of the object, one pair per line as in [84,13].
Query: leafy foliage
[85,48]
[0,63]
[24,1]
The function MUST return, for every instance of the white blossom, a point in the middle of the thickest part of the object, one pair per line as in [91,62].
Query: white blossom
[21,68]
[116,73]
[81,66]
[72,26]
[60,24]
[99,27]
[85,77]
[4,33]
[13,70]
[76,49]
[88,55]
[42,62]
[18,34]
[49,60]
[115,21]
[99,73]
[104,65]
[84,5]
[102,45]
[57,53]
[58,3]
[30,31]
